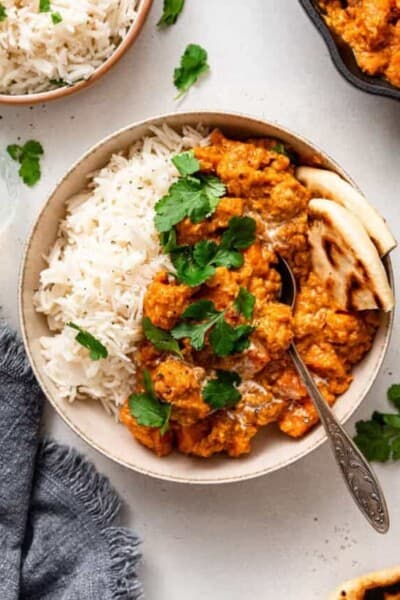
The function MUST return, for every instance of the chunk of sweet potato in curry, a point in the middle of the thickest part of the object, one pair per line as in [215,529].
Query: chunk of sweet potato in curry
[180,384]
[166,300]
[148,436]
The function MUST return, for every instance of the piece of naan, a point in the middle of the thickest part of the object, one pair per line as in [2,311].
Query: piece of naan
[327,184]
[345,258]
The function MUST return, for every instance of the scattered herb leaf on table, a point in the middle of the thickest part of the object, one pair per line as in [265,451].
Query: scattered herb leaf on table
[28,156]
[193,64]
[171,11]
[379,438]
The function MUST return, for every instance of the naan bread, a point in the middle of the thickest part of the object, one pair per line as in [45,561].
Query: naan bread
[382,585]
[327,184]
[345,258]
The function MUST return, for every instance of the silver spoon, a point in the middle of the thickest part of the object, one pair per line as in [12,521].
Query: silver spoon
[357,473]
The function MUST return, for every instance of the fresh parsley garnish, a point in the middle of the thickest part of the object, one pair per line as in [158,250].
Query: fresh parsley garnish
[244,303]
[44,6]
[171,11]
[193,197]
[379,438]
[224,338]
[162,340]
[147,409]
[222,392]
[195,264]
[96,349]
[193,64]
[3,13]
[28,156]
[186,163]
[56,17]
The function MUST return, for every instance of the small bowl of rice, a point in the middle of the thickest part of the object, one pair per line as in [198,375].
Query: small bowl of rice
[50,49]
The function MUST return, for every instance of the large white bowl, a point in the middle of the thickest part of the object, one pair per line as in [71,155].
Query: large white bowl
[272,450]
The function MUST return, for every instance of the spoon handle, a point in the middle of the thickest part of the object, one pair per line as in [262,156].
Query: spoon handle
[357,473]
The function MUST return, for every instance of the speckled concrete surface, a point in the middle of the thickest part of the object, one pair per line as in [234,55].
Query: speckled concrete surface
[295,534]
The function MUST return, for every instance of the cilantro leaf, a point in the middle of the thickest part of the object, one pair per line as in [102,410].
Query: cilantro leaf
[245,303]
[56,17]
[226,340]
[193,64]
[187,163]
[162,340]
[171,11]
[222,391]
[379,438]
[213,185]
[44,6]
[147,409]
[33,148]
[195,264]
[168,240]
[188,271]
[28,156]
[3,13]
[86,339]
[29,171]
[188,197]
[15,151]
[241,233]
[394,395]
[202,310]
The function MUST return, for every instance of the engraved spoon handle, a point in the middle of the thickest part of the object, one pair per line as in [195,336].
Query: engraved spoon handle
[357,473]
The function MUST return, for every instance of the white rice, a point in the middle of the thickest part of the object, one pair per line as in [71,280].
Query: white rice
[106,254]
[35,52]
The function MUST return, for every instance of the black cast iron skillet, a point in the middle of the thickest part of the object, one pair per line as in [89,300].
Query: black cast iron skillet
[343,57]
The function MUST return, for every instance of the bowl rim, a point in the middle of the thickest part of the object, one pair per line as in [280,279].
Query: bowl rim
[133,32]
[147,123]
[372,85]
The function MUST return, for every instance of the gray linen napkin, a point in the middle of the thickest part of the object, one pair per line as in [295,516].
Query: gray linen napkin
[57,539]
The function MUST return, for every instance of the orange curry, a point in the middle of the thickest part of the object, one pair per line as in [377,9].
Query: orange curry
[260,182]
[372,29]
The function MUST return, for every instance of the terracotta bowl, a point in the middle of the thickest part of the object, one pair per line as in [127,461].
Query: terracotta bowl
[63,92]
[272,450]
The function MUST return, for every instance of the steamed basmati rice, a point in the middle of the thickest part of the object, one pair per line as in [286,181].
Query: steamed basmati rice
[106,254]
[37,54]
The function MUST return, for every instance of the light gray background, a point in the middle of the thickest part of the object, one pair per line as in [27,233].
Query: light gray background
[295,534]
